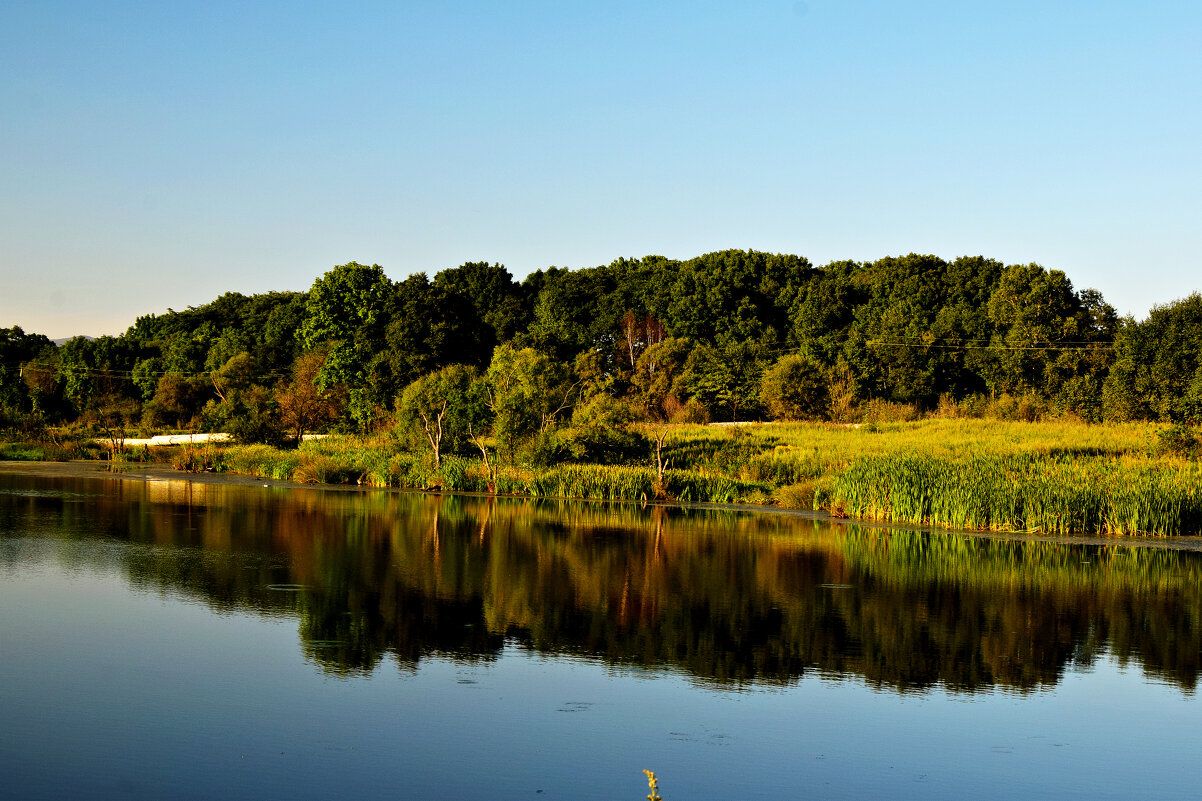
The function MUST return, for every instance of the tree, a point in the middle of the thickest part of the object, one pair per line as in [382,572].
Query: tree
[1157,363]
[237,373]
[40,375]
[17,348]
[346,310]
[304,404]
[601,433]
[658,392]
[571,314]
[179,398]
[254,416]
[794,388]
[527,392]
[1034,312]
[110,415]
[430,327]
[496,300]
[735,296]
[726,378]
[657,377]
[438,407]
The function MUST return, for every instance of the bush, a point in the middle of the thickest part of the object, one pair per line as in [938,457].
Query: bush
[601,434]
[882,411]
[1178,440]
[794,388]
[795,496]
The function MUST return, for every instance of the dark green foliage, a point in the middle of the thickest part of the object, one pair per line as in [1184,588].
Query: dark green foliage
[795,388]
[16,349]
[726,380]
[731,335]
[347,311]
[1157,371]
[601,434]
[254,417]
[490,307]
[1179,440]
[736,296]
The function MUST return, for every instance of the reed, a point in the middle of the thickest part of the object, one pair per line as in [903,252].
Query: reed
[21,452]
[1054,477]
[1024,492]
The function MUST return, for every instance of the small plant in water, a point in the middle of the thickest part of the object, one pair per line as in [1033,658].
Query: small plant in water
[652,783]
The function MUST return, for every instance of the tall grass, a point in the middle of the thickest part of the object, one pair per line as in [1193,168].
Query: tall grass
[1024,492]
[1055,477]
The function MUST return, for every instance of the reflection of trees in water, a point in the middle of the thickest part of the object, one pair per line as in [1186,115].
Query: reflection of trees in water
[728,597]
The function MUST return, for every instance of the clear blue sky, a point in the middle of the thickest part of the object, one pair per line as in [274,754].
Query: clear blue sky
[158,154]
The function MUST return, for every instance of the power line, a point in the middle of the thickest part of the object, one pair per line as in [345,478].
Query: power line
[1090,349]
[103,372]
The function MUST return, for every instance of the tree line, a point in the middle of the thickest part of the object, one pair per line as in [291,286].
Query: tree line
[562,361]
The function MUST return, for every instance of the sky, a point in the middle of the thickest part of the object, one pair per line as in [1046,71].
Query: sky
[156,155]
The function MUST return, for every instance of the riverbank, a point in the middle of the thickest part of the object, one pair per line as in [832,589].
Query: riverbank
[1056,478]
[164,473]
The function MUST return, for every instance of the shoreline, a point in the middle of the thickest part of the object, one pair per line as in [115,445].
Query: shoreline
[159,471]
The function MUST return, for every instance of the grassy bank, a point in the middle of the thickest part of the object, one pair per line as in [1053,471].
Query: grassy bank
[1053,477]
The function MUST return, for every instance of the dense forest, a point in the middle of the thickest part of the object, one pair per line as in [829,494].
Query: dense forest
[734,335]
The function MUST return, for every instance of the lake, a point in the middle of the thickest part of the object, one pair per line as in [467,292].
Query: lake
[171,639]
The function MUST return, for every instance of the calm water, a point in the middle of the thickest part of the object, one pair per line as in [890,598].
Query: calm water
[172,640]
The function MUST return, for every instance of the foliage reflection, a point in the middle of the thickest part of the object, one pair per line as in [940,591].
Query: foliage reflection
[731,598]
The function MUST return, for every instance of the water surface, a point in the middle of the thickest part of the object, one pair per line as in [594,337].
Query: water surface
[170,639]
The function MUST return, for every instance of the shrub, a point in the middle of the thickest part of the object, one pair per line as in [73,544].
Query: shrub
[795,388]
[795,496]
[1178,440]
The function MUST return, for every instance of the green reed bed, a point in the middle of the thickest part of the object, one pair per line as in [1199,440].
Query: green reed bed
[21,452]
[1022,492]
[353,462]
[1055,477]
[603,482]
[691,486]
[260,460]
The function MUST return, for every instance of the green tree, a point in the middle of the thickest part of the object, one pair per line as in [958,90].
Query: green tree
[438,408]
[726,380]
[346,311]
[178,400]
[254,416]
[493,306]
[736,296]
[794,388]
[1035,312]
[657,378]
[17,348]
[1155,375]
[430,327]
[528,392]
[601,433]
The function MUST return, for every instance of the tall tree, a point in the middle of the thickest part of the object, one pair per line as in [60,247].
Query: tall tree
[346,309]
